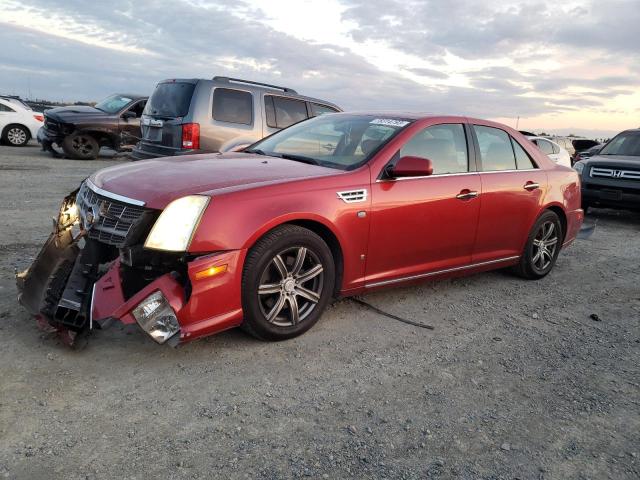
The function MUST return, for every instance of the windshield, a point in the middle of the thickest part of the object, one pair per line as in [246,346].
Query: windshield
[623,144]
[339,141]
[170,100]
[113,103]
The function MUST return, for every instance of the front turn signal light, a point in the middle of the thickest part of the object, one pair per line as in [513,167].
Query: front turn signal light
[211,272]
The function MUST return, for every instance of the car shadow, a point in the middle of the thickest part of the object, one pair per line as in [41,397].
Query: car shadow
[613,216]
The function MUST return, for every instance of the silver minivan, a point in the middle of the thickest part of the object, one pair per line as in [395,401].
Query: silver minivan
[185,116]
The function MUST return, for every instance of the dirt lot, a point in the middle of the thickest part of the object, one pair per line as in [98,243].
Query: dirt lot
[516,380]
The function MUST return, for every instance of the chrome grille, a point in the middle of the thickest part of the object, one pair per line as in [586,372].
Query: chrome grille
[105,219]
[615,173]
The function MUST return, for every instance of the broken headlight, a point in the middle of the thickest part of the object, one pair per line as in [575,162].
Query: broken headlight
[68,214]
[156,317]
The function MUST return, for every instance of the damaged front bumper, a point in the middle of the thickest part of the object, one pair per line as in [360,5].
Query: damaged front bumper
[78,283]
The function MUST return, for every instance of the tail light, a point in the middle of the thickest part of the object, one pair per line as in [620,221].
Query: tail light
[39,118]
[191,136]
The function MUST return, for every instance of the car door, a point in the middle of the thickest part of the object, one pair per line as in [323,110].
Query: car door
[130,126]
[512,189]
[422,225]
[7,115]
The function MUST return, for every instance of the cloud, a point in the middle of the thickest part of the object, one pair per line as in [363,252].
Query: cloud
[82,53]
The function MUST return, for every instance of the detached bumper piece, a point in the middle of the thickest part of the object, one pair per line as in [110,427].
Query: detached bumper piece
[156,317]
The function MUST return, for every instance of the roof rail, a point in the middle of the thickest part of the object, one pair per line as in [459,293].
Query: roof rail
[250,82]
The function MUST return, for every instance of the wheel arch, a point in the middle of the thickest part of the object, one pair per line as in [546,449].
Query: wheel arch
[100,136]
[16,124]
[559,211]
[321,228]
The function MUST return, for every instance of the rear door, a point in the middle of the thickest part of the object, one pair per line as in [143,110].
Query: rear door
[129,127]
[163,116]
[512,188]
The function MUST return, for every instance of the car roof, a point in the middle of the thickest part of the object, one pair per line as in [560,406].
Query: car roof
[537,137]
[254,86]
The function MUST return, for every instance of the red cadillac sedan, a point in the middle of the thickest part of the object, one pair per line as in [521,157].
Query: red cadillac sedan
[337,205]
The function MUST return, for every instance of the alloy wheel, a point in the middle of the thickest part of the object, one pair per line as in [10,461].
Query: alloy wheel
[291,286]
[545,244]
[82,145]
[17,136]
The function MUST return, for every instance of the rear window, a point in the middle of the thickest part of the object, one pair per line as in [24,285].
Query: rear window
[170,100]
[283,112]
[496,151]
[233,106]
[317,109]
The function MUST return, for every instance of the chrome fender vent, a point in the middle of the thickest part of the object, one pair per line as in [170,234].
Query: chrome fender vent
[353,196]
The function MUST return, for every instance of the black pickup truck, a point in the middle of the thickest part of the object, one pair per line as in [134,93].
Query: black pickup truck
[81,130]
[611,178]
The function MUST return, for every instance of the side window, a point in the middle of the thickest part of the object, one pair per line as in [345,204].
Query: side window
[556,148]
[523,160]
[545,146]
[317,109]
[287,111]
[233,106]
[496,151]
[4,108]
[445,145]
[138,108]
[270,111]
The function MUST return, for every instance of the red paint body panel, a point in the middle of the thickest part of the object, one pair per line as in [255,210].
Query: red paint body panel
[405,228]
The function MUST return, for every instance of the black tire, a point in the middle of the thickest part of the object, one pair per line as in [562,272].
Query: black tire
[291,292]
[533,266]
[81,146]
[16,135]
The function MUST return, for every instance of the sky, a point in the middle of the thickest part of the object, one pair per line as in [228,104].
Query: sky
[562,67]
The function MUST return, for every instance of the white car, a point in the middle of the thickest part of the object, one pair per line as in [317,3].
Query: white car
[554,151]
[18,123]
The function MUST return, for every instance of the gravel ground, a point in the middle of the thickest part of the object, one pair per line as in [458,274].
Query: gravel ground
[518,380]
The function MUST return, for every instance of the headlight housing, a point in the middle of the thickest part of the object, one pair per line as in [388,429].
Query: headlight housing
[578,167]
[156,317]
[178,221]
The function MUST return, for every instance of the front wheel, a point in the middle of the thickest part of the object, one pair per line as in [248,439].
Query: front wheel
[81,147]
[542,248]
[287,281]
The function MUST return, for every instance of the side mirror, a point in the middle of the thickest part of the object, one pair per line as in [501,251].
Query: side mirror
[411,167]
[129,114]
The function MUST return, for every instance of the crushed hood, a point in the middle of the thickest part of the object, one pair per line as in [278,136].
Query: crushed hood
[159,181]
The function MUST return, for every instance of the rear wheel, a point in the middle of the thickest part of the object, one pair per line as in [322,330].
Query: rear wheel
[81,147]
[542,248]
[287,281]
[16,135]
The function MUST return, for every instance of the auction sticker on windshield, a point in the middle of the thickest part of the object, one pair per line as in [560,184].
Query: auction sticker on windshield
[391,122]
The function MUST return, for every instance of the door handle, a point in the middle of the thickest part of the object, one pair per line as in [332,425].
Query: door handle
[531,186]
[466,195]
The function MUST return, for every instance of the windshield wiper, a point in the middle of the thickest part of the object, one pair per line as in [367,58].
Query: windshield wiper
[257,151]
[300,158]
